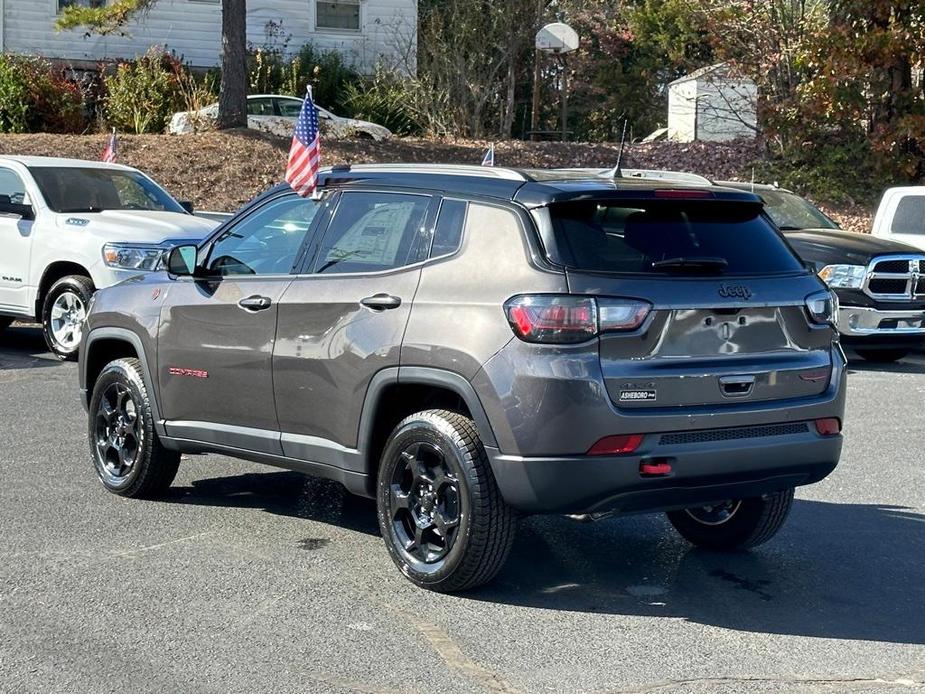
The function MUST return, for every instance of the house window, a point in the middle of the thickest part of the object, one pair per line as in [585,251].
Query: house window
[80,3]
[342,15]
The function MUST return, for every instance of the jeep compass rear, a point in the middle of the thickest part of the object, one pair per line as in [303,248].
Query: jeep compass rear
[466,345]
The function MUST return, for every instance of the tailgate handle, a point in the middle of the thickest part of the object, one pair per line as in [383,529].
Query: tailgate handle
[737,386]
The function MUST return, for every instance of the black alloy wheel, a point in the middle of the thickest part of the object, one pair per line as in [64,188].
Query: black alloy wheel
[119,435]
[441,514]
[425,504]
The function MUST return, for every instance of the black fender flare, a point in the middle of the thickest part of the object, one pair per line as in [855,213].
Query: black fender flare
[419,375]
[125,335]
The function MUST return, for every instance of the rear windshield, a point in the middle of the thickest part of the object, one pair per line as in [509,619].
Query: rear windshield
[669,238]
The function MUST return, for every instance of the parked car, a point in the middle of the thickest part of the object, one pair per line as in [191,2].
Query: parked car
[466,343]
[901,216]
[880,283]
[276,115]
[71,227]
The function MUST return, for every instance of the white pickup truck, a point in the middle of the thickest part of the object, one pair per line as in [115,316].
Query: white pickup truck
[901,216]
[69,227]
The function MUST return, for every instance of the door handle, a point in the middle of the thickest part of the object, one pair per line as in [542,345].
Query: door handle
[381,302]
[255,303]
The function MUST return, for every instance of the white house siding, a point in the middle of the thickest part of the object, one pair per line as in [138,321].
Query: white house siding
[192,29]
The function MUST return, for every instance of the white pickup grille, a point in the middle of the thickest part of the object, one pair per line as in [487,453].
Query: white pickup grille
[896,278]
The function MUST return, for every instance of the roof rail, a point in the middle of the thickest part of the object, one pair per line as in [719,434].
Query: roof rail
[441,169]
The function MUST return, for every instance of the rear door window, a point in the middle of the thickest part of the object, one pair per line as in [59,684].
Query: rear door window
[669,238]
[373,232]
[449,228]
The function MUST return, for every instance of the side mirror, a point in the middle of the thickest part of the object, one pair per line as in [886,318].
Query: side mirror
[7,206]
[187,205]
[181,261]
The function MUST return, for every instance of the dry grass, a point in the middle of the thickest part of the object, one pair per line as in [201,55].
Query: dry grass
[221,171]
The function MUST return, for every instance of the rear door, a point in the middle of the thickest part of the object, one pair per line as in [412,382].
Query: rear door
[728,323]
[343,319]
[217,333]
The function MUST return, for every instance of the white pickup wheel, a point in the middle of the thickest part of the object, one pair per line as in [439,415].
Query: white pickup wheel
[64,312]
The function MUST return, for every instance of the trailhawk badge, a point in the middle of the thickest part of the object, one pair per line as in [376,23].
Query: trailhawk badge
[638,395]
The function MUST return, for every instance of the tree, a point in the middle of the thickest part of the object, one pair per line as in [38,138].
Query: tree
[110,18]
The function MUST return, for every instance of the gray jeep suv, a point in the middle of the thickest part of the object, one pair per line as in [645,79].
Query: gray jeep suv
[466,344]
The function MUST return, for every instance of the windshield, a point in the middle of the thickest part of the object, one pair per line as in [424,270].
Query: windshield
[790,211]
[76,189]
[678,237]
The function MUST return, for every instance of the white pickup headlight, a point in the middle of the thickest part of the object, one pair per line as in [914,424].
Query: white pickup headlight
[844,276]
[129,257]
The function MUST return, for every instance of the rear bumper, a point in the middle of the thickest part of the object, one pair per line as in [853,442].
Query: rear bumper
[701,473]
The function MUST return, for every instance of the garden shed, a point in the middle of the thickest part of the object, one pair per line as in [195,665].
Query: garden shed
[712,104]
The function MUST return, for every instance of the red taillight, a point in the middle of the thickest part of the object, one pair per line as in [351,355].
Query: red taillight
[682,194]
[828,427]
[616,445]
[563,319]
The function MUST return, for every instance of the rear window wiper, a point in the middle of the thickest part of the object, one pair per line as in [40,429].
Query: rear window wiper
[693,263]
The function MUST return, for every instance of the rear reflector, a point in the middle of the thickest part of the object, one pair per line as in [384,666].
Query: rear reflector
[828,427]
[616,445]
[655,468]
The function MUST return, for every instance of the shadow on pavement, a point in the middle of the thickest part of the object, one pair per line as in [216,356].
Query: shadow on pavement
[843,571]
[285,494]
[913,364]
[23,347]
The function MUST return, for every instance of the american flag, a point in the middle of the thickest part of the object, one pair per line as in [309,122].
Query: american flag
[489,158]
[112,147]
[305,155]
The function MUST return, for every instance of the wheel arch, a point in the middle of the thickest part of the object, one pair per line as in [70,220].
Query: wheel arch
[54,272]
[395,393]
[103,345]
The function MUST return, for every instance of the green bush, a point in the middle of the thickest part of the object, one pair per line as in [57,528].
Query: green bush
[270,71]
[829,168]
[14,97]
[143,94]
[36,96]
[385,99]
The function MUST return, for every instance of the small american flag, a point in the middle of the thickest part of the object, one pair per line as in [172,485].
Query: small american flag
[305,155]
[112,148]
[489,158]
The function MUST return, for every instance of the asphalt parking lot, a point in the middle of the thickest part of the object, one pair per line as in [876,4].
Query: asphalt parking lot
[247,579]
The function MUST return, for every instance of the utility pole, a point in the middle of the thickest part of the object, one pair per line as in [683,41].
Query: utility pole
[535,112]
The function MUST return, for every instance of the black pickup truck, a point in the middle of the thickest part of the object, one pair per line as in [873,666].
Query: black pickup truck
[880,283]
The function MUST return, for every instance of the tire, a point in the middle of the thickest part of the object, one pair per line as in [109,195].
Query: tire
[5,323]
[127,455]
[434,466]
[882,356]
[63,312]
[739,524]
